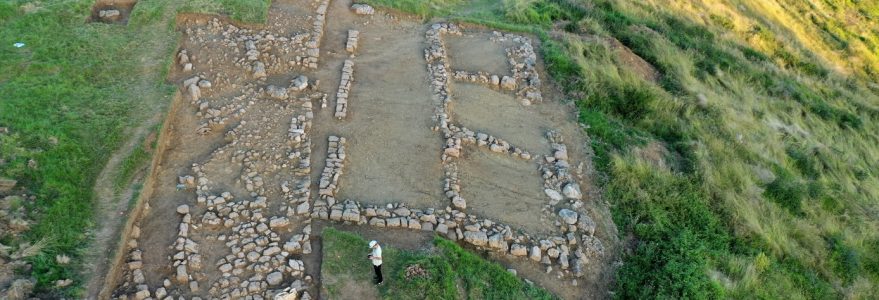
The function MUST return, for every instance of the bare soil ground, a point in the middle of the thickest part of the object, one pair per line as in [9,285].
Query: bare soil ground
[475,52]
[245,153]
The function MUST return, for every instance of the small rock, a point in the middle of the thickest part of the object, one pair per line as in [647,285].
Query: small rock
[275,278]
[110,15]
[508,83]
[518,250]
[279,222]
[554,195]
[477,238]
[442,229]
[299,83]
[586,224]
[572,190]
[142,294]
[182,275]
[459,202]
[569,216]
[259,70]
[277,92]
[535,254]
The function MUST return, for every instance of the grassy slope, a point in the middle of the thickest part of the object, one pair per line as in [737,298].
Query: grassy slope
[448,267]
[82,84]
[765,120]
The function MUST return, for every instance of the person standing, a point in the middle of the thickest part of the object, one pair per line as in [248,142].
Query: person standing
[376,257]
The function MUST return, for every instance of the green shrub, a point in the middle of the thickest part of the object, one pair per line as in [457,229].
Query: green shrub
[787,191]
[843,259]
[676,229]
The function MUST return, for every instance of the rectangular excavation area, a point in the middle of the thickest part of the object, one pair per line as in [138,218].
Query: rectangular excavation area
[112,11]
[393,156]
[482,109]
[474,52]
[504,189]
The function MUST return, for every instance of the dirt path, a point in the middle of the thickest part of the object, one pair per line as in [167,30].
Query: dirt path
[111,208]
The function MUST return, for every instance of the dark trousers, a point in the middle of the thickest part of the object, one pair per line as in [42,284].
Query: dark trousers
[378,273]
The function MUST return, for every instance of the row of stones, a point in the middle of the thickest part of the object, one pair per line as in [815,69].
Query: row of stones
[523,62]
[459,136]
[344,89]
[482,233]
[435,56]
[317,33]
[558,182]
[491,80]
[351,43]
[559,248]
[335,161]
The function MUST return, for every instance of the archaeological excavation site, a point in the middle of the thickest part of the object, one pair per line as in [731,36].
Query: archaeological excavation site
[340,115]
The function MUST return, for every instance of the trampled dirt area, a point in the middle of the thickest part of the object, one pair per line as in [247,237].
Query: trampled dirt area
[374,120]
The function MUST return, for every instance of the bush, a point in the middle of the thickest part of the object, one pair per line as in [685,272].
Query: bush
[787,191]
[676,228]
[843,259]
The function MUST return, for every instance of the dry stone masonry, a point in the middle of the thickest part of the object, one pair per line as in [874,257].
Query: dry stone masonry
[344,89]
[351,43]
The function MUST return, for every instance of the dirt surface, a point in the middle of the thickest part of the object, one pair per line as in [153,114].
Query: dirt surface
[633,61]
[249,161]
[475,52]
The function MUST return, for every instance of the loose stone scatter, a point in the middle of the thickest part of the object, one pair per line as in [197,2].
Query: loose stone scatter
[344,89]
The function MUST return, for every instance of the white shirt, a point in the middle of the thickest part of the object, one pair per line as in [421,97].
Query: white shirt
[377,255]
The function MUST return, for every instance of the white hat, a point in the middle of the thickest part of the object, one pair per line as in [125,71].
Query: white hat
[372,243]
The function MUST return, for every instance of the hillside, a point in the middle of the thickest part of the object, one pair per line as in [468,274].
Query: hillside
[734,141]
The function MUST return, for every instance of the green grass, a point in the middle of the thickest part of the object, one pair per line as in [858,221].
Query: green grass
[447,266]
[132,163]
[247,11]
[81,84]
[136,160]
